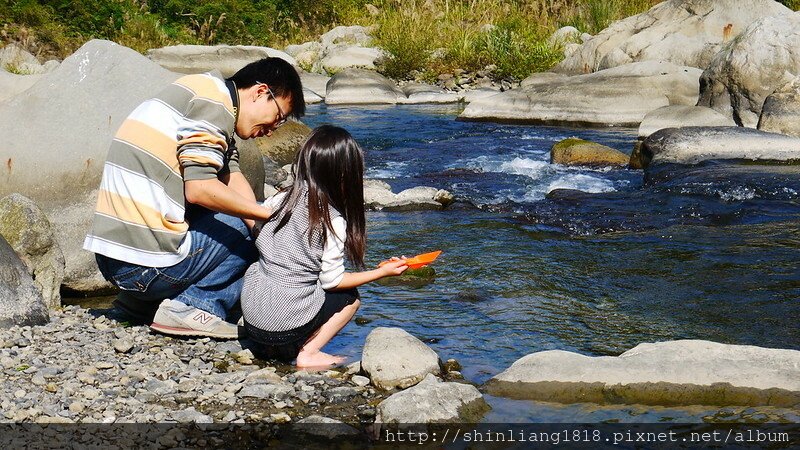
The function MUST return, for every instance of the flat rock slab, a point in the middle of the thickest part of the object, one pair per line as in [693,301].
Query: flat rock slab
[678,116]
[686,372]
[228,59]
[361,86]
[432,401]
[393,358]
[695,144]
[621,96]
[426,93]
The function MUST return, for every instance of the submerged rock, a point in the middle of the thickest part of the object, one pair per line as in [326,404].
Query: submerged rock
[21,303]
[378,195]
[621,96]
[27,230]
[678,116]
[580,152]
[392,358]
[686,372]
[695,144]
[432,401]
[682,32]
[751,67]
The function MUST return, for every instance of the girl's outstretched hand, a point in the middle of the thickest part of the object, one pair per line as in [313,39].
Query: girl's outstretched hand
[393,267]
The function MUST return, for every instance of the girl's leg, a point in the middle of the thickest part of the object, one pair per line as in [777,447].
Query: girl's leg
[311,355]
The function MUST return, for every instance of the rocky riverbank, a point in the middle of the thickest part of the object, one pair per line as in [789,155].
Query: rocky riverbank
[80,367]
[84,367]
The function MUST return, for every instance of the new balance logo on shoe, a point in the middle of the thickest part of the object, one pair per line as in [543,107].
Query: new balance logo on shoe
[202,317]
[179,319]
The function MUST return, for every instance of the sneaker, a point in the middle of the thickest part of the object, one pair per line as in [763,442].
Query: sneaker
[179,319]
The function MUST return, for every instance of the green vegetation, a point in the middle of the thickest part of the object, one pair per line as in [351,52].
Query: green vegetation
[22,368]
[423,37]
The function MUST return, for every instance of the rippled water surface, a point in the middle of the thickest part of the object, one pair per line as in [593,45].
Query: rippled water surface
[707,252]
[607,260]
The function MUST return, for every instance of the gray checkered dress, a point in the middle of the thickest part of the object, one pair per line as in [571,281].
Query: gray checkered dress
[282,289]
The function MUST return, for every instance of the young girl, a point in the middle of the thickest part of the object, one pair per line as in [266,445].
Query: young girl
[297,296]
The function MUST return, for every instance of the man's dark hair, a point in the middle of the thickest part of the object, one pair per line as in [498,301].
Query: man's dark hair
[281,78]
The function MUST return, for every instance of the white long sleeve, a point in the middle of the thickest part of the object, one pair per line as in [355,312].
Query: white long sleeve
[333,255]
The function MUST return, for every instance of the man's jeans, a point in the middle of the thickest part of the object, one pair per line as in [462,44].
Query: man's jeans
[211,276]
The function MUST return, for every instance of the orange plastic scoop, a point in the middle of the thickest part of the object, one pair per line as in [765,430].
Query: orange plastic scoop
[420,260]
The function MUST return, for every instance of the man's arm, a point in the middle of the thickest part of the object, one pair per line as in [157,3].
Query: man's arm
[237,182]
[231,198]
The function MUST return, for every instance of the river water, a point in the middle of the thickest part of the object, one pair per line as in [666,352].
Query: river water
[707,252]
[610,259]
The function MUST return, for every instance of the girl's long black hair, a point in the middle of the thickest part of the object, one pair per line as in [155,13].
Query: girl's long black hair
[331,164]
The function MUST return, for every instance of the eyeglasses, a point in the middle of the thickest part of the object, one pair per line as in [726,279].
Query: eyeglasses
[281,116]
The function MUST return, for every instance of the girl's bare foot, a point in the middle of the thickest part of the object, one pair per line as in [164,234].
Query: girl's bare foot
[308,359]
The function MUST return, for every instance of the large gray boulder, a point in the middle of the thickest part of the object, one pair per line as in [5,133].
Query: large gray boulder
[315,82]
[687,372]
[692,145]
[759,61]
[781,111]
[81,104]
[621,96]
[282,146]
[21,302]
[361,86]
[228,59]
[432,401]
[73,220]
[26,228]
[677,116]
[682,32]
[378,195]
[392,358]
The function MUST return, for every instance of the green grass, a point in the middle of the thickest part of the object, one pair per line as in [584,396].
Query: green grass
[426,37]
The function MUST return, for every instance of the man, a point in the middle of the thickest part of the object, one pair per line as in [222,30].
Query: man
[172,225]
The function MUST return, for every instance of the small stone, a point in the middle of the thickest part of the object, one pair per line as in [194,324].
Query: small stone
[19,393]
[359,380]
[122,345]
[77,407]
[103,365]
[280,418]
[280,405]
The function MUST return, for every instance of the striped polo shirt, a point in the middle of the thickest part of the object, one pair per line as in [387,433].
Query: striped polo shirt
[184,133]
